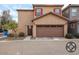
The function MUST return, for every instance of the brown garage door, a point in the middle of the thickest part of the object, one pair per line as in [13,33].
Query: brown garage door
[49,31]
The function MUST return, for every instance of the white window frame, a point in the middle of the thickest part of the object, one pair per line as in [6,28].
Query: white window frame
[38,11]
[57,12]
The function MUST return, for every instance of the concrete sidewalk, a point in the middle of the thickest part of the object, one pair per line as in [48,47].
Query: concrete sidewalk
[44,38]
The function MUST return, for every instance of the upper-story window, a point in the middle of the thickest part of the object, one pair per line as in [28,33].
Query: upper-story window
[38,12]
[74,12]
[57,11]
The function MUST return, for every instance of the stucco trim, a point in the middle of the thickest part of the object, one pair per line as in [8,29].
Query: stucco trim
[47,5]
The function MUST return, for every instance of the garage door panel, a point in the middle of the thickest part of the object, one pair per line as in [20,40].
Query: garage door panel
[49,31]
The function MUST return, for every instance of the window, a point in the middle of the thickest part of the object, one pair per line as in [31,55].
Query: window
[38,12]
[74,11]
[57,11]
[73,26]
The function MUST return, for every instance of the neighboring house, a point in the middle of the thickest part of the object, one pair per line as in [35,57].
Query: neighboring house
[43,21]
[72,12]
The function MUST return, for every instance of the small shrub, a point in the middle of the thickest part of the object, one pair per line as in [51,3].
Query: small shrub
[21,34]
[11,35]
[69,36]
[77,35]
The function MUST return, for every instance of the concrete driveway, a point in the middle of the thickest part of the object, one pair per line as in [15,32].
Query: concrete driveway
[37,47]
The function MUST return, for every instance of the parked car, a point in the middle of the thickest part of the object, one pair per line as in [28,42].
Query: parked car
[1,30]
[3,34]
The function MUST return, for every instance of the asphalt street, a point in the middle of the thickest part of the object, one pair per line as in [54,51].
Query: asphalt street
[37,47]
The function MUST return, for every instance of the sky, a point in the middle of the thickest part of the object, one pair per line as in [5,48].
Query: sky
[13,8]
[12,5]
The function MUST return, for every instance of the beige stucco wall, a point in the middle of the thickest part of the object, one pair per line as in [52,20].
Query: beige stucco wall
[24,19]
[47,9]
[49,20]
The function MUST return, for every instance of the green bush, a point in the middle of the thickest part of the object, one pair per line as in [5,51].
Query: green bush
[69,36]
[77,35]
[11,35]
[21,34]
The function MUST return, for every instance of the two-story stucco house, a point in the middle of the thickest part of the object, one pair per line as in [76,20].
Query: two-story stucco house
[43,21]
[72,12]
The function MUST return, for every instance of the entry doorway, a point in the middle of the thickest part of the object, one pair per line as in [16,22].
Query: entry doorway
[29,29]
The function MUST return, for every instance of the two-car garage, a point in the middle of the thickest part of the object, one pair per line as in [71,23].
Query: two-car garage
[50,25]
[50,31]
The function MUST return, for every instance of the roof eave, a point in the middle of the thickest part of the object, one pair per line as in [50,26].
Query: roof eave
[70,5]
[24,10]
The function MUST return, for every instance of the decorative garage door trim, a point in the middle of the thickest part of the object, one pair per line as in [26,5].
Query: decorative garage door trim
[50,30]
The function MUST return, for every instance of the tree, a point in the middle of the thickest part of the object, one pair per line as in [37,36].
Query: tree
[3,21]
[10,26]
[6,17]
